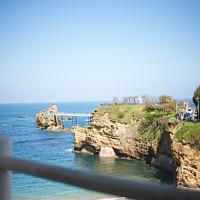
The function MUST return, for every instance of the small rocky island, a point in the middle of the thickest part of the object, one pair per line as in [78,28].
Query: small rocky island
[46,119]
[145,132]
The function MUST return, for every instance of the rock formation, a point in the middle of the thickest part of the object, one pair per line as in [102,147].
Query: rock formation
[164,157]
[103,132]
[48,121]
[182,161]
[187,159]
[106,152]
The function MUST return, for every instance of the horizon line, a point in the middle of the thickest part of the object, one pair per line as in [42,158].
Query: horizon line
[37,102]
[74,101]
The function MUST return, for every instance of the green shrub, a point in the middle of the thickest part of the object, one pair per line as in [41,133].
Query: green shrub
[120,115]
[189,132]
[150,107]
[165,107]
[152,116]
[196,95]
[151,127]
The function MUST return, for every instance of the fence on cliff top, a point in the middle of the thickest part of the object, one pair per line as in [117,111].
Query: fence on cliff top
[92,181]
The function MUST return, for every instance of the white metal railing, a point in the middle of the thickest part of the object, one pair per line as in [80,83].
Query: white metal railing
[92,181]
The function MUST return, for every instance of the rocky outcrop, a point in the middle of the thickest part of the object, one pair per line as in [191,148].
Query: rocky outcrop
[48,121]
[179,160]
[164,153]
[187,160]
[106,152]
[105,133]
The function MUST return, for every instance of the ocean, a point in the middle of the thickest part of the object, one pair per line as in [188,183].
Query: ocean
[32,143]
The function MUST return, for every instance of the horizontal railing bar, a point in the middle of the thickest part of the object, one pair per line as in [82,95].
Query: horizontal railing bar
[101,183]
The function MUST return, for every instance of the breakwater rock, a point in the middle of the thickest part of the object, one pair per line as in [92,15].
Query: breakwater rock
[133,140]
[46,120]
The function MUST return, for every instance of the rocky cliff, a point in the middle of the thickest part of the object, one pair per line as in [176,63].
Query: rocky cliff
[187,160]
[105,133]
[46,120]
[127,141]
[181,159]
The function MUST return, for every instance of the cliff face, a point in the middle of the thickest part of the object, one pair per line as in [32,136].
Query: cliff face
[180,160]
[105,133]
[187,159]
[46,120]
[164,152]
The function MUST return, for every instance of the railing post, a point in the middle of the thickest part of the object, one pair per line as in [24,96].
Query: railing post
[5,175]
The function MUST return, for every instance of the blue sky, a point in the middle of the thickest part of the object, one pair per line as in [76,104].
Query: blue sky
[94,50]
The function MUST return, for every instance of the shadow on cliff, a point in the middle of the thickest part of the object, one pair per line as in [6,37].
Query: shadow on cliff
[164,159]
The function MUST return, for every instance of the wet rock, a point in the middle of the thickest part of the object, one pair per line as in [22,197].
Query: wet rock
[79,138]
[88,149]
[107,152]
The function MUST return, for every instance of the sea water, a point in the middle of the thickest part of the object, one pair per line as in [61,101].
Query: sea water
[29,142]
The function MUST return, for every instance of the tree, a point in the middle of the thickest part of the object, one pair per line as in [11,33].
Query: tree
[115,100]
[196,95]
[124,99]
[165,99]
[147,99]
[135,99]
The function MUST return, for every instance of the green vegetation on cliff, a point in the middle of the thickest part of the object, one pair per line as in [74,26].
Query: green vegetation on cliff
[150,123]
[121,113]
[188,133]
[151,127]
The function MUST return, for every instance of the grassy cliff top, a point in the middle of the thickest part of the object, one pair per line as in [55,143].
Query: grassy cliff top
[189,133]
[121,113]
[151,123]
[127,113]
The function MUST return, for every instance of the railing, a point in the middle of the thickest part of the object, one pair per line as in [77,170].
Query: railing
[87,180]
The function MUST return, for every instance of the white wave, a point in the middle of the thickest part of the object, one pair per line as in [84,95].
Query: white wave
[6,125]
[69,150]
